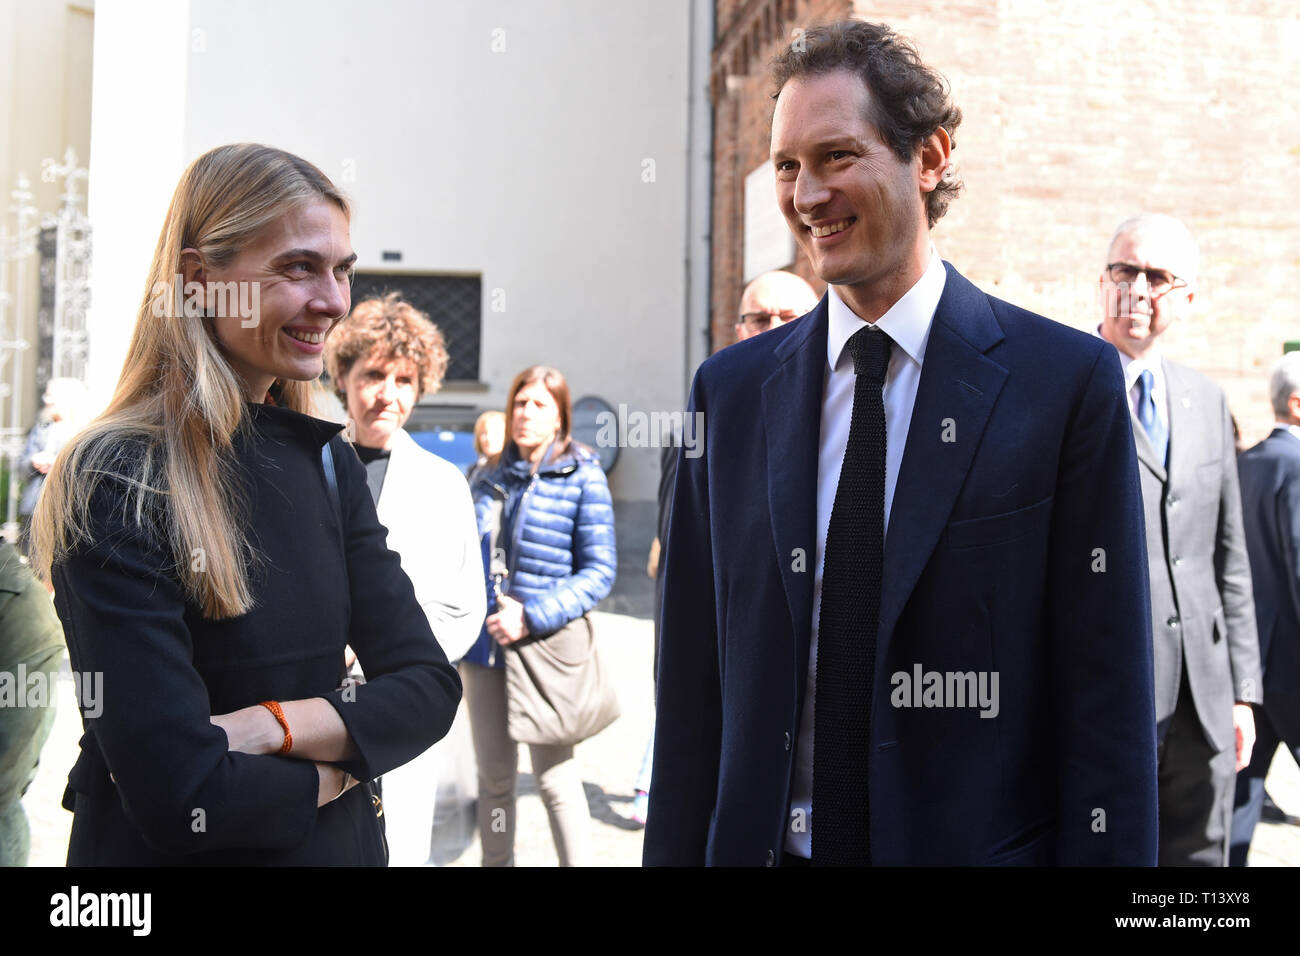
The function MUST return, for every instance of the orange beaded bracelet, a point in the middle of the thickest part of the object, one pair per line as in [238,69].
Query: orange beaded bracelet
[278,712]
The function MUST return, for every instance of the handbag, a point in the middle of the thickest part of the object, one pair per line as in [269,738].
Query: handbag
[559,690]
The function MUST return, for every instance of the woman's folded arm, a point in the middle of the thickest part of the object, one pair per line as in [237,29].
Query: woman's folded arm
[186,792]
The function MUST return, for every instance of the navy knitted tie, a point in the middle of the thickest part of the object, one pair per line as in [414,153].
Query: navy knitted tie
[850,617]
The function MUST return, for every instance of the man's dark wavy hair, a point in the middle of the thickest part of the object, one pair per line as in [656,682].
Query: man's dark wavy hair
[909,101]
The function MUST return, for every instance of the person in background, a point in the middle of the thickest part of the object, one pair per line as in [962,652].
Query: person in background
[383,359]
[772,300]
[31,644]
[1202,617]
[557,535]
[57,422]
[769,302]
[1270,506]
[489,439]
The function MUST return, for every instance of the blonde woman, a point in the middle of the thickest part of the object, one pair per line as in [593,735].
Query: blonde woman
[489,439]
[213,549]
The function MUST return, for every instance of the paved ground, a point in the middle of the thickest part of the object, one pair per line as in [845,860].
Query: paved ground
[609,763]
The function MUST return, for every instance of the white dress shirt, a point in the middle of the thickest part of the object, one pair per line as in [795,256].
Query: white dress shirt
[1133,369]
[908,324]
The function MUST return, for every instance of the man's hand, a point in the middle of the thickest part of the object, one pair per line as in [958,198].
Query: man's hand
[507,625]
[1243,722]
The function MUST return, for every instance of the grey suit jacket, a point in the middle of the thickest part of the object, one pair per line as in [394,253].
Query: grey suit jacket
[1202,609]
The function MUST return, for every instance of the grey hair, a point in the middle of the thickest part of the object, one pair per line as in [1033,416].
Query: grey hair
[1171,227]
[1283,383]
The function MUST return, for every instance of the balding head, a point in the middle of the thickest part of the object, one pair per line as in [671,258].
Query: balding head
[1171,235]
[1284,388]
[1148,281]
[773,299]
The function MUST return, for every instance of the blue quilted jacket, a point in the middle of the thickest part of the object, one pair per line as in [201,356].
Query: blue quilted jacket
[557,531]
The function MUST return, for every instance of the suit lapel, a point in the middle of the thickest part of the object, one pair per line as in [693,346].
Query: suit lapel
[1182,430]
[1146,452]
[960,383]
[792,414]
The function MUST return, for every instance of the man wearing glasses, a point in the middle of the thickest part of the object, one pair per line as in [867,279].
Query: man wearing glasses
[772,300]
[1203,618]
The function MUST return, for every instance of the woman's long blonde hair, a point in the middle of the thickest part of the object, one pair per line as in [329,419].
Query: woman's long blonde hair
[178,399]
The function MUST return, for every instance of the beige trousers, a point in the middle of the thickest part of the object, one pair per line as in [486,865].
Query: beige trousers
[554,769]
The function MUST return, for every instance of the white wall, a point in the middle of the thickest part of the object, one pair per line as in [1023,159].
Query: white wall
[524,164]
[137,153]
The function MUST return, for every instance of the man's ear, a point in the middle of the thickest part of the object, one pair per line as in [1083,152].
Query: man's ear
[935,152]
[1293,406]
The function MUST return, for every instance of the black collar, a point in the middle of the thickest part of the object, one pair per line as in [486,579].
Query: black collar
[273,419]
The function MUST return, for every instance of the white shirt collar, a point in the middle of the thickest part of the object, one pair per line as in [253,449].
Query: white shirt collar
[907,322]
[1134,367]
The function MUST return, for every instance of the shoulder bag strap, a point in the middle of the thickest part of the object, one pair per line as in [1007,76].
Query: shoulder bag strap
[332,480]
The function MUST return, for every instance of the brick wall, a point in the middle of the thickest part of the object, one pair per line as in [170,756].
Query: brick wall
[1075,117]
[749,35]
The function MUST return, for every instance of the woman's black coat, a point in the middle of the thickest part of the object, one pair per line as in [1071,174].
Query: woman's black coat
[177,796]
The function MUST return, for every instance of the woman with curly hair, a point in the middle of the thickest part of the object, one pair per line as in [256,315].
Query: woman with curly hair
[382,359]
[213,549]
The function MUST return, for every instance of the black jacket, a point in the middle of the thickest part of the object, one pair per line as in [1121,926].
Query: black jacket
[1270,504]
[177,796]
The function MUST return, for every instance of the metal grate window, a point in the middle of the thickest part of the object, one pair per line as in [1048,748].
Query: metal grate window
[453,302]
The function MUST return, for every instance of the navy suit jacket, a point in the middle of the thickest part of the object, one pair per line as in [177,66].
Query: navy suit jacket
[1270,502]
[1015,545]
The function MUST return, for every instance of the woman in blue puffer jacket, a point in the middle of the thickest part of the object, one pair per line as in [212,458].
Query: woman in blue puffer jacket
[557,534]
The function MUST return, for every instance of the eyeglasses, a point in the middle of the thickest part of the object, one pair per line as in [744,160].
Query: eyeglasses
[759,321]
[1159,281]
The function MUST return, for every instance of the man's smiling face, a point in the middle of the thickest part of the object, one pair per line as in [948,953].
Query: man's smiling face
[853,206]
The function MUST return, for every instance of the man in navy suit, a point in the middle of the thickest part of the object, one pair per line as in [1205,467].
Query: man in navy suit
[1270,501]
[905,617]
